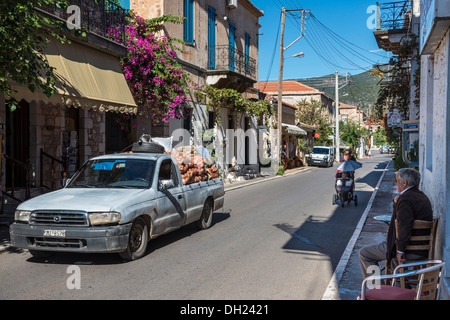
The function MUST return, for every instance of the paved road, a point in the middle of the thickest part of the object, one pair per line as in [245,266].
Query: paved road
[280,239]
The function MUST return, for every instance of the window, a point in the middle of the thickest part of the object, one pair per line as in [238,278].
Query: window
[188,22]
[247,52]
[167,171]
[211,39]
[231,46]
[210,120]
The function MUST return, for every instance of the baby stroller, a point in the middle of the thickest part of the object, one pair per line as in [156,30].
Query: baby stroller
[345,183]
[345,186]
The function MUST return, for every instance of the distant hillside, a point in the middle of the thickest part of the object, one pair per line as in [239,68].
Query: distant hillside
[361,91]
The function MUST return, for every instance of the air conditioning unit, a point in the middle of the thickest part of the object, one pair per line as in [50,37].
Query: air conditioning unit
[232,4]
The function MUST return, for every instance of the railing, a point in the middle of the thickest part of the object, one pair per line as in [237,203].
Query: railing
[225,57]
[393,15]
[53,160]
[99,17]
[26,168]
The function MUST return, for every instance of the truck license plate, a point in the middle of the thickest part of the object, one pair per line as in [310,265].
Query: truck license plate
[55,233]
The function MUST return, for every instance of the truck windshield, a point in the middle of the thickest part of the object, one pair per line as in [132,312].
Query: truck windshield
[114,173]
[320,150]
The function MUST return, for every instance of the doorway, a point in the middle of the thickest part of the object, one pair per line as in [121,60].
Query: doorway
[17,144]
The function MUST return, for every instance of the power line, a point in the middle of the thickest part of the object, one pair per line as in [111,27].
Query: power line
[273,56]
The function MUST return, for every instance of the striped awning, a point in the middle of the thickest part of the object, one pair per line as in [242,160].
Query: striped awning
[291,129]
[86,78]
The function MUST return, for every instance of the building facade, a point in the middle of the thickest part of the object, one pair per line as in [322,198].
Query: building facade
[47,139]
[221,50]
[429,21]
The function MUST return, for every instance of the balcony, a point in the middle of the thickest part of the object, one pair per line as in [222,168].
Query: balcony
[393,20]
[226,64]
[98,17]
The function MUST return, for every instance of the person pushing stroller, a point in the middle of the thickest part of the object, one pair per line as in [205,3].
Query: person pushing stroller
[345,180]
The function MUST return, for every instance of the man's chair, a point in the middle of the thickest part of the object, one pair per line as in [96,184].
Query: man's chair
[419,240]
[422,240]
[429,274]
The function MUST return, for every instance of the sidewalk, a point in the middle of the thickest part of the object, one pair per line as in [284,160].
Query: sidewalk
[347,279]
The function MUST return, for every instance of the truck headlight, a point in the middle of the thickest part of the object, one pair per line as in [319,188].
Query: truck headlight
[97,218]
[22,216]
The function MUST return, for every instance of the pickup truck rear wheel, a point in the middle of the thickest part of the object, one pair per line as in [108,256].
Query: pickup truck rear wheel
[205,220]
[137,241]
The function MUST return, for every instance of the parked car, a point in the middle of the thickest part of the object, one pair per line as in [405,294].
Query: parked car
[115,203]
[321,156]
[385,149]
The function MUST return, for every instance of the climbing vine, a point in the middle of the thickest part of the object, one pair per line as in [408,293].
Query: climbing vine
[158,82]
[223,98]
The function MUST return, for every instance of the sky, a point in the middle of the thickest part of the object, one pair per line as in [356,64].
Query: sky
[337,38]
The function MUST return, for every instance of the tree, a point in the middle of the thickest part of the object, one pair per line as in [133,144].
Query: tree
[351,133]
[312,113]
[23,40]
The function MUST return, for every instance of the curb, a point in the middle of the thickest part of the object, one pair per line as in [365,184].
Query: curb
[242,185]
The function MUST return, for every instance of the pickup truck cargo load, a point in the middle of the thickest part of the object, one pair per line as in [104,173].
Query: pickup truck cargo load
[116,203]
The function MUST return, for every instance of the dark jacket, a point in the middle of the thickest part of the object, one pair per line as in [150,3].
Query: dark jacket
[412,205]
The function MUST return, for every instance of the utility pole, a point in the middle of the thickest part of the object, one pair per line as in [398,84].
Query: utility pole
[280,86]
[338,140]
[280,74]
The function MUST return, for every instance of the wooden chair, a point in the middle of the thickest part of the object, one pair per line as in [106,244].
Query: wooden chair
[419,242]
[426,241]
[429,274]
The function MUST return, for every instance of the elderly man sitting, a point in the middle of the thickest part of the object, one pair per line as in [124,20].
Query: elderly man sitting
[411,204]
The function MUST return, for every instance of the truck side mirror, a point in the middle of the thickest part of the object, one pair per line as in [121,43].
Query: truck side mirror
[66,182]
[166,184]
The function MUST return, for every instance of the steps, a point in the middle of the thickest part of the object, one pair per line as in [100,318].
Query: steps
[8,205]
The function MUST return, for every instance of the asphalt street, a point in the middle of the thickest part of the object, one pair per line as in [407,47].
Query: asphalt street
[278,239]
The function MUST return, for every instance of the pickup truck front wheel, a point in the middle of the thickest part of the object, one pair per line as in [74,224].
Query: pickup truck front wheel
[137,241]
[206,219]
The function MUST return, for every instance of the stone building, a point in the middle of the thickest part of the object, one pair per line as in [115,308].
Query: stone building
[47,139]
[221,51]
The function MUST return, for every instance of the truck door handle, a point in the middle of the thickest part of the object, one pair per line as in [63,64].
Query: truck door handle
[180,196]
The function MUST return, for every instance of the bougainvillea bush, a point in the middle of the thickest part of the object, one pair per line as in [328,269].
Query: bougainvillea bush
[160,86]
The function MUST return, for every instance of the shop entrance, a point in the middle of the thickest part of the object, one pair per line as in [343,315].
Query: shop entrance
[17,144]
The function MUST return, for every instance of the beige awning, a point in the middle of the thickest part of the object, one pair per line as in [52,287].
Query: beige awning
[86,78]
[291,129]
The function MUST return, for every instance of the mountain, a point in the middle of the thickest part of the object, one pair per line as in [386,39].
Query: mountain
[361,90]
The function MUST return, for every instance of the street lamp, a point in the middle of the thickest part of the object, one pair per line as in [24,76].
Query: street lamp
[297,55]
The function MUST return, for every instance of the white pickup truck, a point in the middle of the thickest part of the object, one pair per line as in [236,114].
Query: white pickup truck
[115,203]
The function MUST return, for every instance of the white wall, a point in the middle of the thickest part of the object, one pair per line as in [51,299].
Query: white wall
[434,139]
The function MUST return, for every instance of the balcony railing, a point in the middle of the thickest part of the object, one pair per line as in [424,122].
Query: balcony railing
[99,17]
[227,58]
[393,15]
